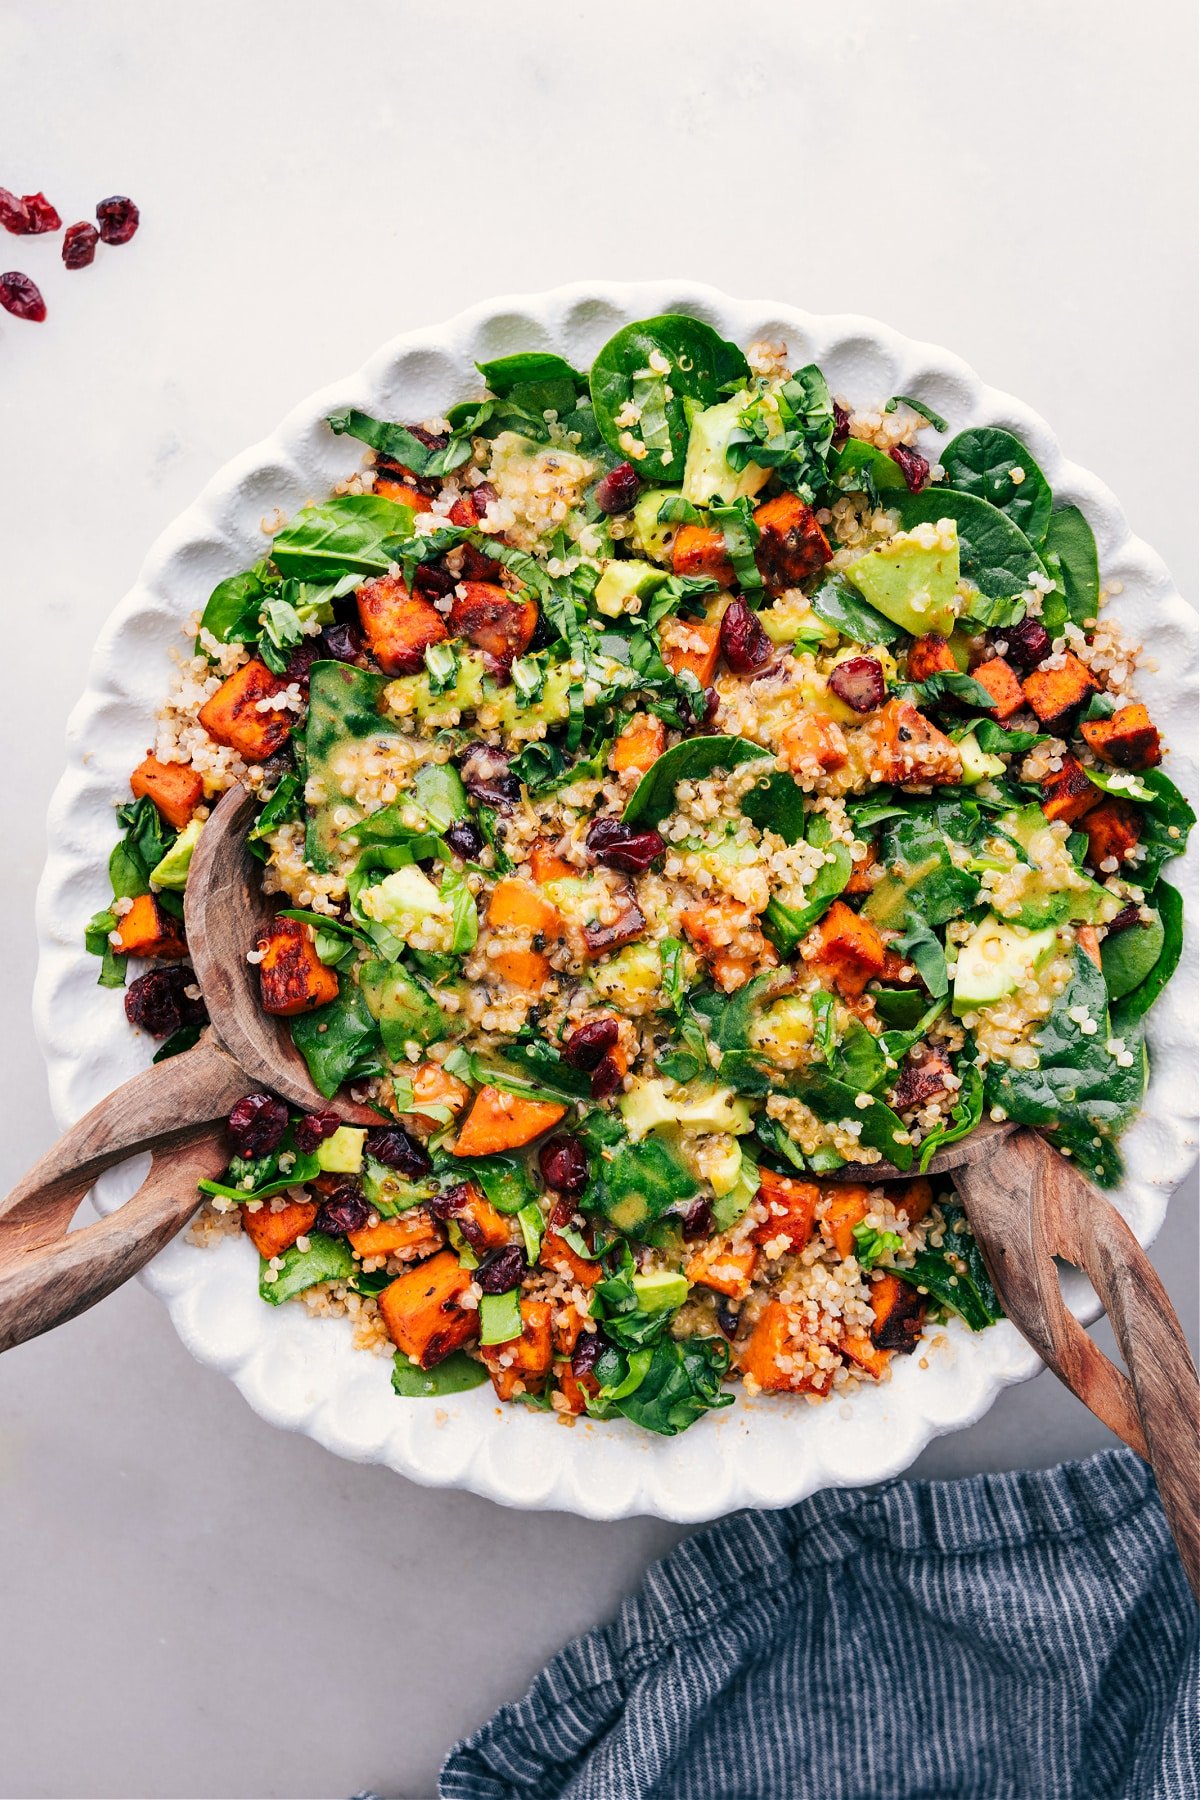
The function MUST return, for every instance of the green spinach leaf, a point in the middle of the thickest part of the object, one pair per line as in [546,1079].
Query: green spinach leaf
[994,553]
[690,760]
[700,365]
[1132,1004]
[981,461]
[1070,538]
[455,1374]
[956,1275]
[339,1042]
[343,535]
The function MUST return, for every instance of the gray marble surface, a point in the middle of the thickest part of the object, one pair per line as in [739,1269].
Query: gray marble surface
[192,1603]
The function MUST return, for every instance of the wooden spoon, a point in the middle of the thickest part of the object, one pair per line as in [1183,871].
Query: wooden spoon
[173,1109]
[1027,1205]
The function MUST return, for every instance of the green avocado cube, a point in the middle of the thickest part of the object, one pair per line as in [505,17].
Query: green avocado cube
[912,579]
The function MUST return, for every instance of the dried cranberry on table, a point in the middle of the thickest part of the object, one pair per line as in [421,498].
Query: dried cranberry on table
[257,1124]
[314,1128]
[14,214]
[590,1043]
[859,682]
[398,1149]
[21,297]
[79,245]
[486,777]
[158,1001]
[1028,643]
[617,491]
[118,219]
[912,465]
[744,644]
[619,846]
[564,1164]
[503,1271]
[345,1208]
[42,216]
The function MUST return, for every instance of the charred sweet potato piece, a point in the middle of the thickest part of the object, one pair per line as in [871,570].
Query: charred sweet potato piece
[1128,739]
[423,1312]
[500,1121]
[392,487]
[496,622]
[862,1350]
[864,875]
[791,1209]
[690,644]
[147,929]
[911,750]
[723,1267]
[399,627]
[1067,793]
[525,1360]
[848,1207]
[575,1388]
[232,715]
[639,746]
[1089,942]
[930,655]
[1002,684]
[899,1314]
[813,743]
[528,970]
[772,1342]
[847,946]
[481,1225]
[918,1082]
[729,938]
[912,1198]
[545,864]
[1057,694]
[897,971]
[791,545]
[630,923]
[558,1255]
[568,1324]
[272,1233]
[292,977]
[175,789]
[1113,828]
[700,550]
[391,474]
[412,1234]
[515,906]
[432,1086]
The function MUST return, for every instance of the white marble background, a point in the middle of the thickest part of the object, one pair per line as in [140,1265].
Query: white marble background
[191,1603]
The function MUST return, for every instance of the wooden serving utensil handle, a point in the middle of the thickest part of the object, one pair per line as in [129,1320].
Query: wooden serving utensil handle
[1027,1204]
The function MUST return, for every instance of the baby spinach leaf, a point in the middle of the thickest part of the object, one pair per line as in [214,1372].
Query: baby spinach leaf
[701,364]
[1070,538]
[835,1102]
[981,461]
[860,468]
[285,1167]
[836,602]
[231,614]
[1128,957]
[924,950]
[631,1184]
[1134,1004]
[994,553]
[691,760]
[680,1382]
[964,1115]
[402,445]
[736,524]
[326,1259]
[859,1059]
[343,702]
[95,942]
[177,1043]
[285,806]
[899,1008]
[946,684]
[956,1275]
[339,1042]
[776,803]
[1166,820]
[453,1375]
[999,740]
[536,380]
[917,406]
[505,1180]
[798,453]
[346,534]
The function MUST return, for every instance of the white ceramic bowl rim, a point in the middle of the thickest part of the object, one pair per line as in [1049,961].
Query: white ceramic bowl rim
[301,1372]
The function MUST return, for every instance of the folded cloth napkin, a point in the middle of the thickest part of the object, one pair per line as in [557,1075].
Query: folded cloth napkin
[1009,1637]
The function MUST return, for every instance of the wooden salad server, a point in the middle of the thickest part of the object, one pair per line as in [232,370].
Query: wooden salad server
[1027,1205]
[175,1109]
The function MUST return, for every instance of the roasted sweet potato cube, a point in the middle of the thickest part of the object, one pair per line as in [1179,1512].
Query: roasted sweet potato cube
[791,1209]
[423,1312]
[147,929]
[292,977]
[545,864]
[1067,793]
[525,1359]
[497,622]
[813,743]
[500,1121]
[516,906]
[1057,694]
[724,1267]
[575,1388]
[639,746]
[629,924]
[861,1350]
[700,550]
[689,644]
[1113,828]
[557,1254]
[528,970]
[911,750]
[1002,684]
[912,1198]
[403,492]
[175,789]
[930,655]
[775,1341]
[864,875]
[412,1235]
[482,1227]
[399,626]
[1128,739]
[847,947]
[729,938]
[232,715]
[899,1314]
[848,1207]
[918,1082]
[791,545]
[272,1233]
[433,1086]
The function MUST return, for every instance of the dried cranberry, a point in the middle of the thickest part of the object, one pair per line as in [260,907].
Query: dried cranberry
[744,644]
[486,777]
[344,1209]
[301,661]
[14,214]
[118,218]
[450,1202]
[728,1318]
[465,839]
[564,1164]
[21,297]
[704,710]
[158,1002]
[504,1271]
[1028,643]
[343,643]
[617,491]
[586,1355]
[433,581]
[618,846]
[859,682]
[606,1078]
[841,423]
[41,215]
[695,1219]
[398,1149]
[79,245]
[590,1042]
[257,1124]
[1128,915]
[314,1128]
[912,465]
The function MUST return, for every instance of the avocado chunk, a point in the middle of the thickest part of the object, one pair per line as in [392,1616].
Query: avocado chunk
[625,581]
[653,537]
[995,960]
[912,579]
[644,1106]
[551,709]
[977,765]
[342,1154]
[707,475]
[172,871]
[413,693]
[647,1105]
[661,1292]
[402,899]
[404,1011]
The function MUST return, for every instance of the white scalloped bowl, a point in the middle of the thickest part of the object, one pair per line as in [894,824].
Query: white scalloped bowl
[303,1373]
